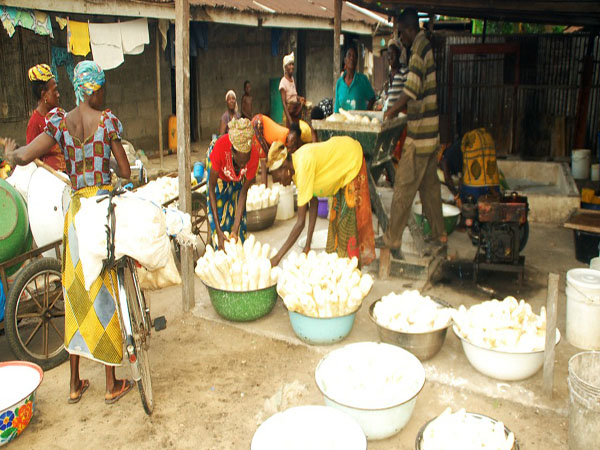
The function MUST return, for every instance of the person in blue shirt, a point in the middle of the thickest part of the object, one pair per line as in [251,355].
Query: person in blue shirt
[353,90]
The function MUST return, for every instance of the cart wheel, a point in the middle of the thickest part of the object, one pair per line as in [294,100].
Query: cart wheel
[200,225]
[35,314]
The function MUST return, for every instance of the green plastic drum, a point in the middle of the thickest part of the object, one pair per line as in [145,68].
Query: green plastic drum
[15,235]
[243,306]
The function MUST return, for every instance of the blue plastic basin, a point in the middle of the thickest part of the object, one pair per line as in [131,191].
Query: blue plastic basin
[321,330]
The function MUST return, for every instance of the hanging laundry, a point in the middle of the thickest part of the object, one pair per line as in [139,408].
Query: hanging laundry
[78,37]
[163,27]
[61,21]
[134,35]
[36,21]
[107,47]
[61,57]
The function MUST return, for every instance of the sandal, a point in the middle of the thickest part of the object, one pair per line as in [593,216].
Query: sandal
[125,388]
[85,384]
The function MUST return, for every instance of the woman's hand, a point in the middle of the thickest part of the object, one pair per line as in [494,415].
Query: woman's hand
[9,150]
[275,260]
[234,235]
[221,238]
[306,249]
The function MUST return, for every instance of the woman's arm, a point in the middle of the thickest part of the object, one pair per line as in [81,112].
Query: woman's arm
[312,220]
[240,208]
[263,171]
[24,155]
[222,127]
[288,118]
[123,170]
[212,196]
[292,238]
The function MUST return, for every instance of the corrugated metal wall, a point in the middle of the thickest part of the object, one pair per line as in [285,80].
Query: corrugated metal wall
[483,93]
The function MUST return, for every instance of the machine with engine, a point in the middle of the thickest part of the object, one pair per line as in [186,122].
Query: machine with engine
[498,226]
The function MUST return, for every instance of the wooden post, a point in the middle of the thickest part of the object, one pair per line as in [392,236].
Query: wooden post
[337,31]
[158,98]
[551,312]
[182,77]
[583,99]
[384,263]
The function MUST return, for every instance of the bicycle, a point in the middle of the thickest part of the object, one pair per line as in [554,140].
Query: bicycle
[134,314]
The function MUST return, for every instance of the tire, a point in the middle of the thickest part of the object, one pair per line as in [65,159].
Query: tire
[523,236]
[35,313]
[140,328]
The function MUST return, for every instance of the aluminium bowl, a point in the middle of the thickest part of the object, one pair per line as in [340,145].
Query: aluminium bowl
[242,306]
[424,345]
[260,219]
[502,364]
[473,416]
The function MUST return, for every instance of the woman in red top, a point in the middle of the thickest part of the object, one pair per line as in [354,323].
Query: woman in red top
[45,90]
[231,165]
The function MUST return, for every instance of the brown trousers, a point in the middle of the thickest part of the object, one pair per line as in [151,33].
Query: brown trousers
[415,173]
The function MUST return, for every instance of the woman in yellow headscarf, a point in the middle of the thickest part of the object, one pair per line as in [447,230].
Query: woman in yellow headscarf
[334,168]
[231,166]
[45,91]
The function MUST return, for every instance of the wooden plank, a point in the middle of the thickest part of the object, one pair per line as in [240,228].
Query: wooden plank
[557,138]
[585,221]
[385,258]
[158,99]
[551,312]
[182,77]
[337,31]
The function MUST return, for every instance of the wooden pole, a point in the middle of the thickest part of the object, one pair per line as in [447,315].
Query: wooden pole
[182,77]
[158,99]
[551,312]
[337,31]
[583,99]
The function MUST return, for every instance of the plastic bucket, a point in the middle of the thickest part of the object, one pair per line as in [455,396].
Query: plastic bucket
[323,208]
[595,172]
[580,163]
[584,401]
[583,308]
[285,209]
[15,235]
[595,263]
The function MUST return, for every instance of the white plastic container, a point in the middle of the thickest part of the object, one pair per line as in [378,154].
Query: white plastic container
[583,308]
[584,401]
[580,163]
[595,172]
[595,263]
[285,209]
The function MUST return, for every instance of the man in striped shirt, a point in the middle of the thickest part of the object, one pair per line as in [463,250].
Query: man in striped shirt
[417,169]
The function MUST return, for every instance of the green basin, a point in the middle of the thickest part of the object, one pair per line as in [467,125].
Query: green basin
[451,218]
[242,306]
[15,235]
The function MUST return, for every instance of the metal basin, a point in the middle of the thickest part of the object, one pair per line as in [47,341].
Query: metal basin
[261,219]
[423,345]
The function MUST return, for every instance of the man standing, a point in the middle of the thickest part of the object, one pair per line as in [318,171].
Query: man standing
[418,164]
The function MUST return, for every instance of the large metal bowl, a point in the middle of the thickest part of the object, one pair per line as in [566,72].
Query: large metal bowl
[423,345]
[261,219]
[475,416]
[242,306]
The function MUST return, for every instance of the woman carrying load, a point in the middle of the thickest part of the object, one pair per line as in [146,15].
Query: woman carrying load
[267,131]
[231,166]
[45,91]
[87,136]
[334,168]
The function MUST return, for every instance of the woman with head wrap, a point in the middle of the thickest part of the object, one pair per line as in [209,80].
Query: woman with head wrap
[334,168]
[267,131]
[231,166]
[87,136]
[353,89]
[230,114]
[45,91]
[292,102]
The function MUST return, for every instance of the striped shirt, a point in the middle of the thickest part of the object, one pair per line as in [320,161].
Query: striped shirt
[422,109]
[396,86]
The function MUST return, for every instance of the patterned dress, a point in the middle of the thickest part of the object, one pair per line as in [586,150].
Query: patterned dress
[228,187]
[91,323]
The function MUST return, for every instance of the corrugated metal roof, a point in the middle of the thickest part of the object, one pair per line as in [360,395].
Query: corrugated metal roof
[322,9]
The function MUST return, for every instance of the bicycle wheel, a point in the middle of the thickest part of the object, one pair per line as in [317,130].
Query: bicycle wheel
[35,314]
[138,316]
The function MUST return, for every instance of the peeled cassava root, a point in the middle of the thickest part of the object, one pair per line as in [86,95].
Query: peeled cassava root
[239,267]
[260,196]
[322,285]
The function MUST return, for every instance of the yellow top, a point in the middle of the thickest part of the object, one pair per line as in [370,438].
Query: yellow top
[322,168]
[78,39]
[305,132]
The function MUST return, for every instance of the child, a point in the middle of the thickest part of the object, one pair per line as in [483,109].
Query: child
[247,101]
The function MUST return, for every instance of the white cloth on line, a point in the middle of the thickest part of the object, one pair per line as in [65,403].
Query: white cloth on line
[134,35]
[163,27]
[105,40]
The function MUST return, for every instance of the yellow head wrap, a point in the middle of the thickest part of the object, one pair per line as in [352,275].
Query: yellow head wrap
[277,155]
[240,134]
[288,59]
[40,72]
